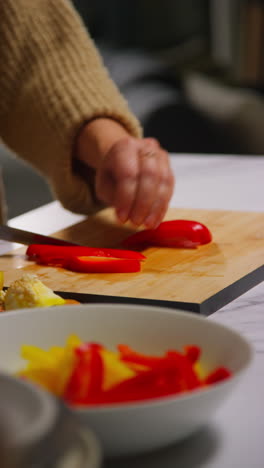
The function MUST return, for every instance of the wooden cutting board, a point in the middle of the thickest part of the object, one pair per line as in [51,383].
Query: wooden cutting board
[200,280]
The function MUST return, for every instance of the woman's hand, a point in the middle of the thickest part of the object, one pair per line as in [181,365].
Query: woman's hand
[133,175]
[135,178]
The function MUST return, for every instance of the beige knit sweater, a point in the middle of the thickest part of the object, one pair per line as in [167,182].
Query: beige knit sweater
[52,81]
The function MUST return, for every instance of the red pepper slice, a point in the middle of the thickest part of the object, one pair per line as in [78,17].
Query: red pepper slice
[58,255]
[185,369]
[102,265]
[218,375]
[128,355]
[193,353]
[144,386]
[87,378]
[175,233]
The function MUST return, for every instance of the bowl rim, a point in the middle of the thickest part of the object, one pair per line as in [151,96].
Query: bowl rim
[160,401]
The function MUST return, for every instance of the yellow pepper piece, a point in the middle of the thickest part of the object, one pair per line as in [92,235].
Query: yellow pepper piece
[66,363]
[73,341]
[44,377]
[51,369]
[57,351]
[38,357]
[200,370]
[115,371]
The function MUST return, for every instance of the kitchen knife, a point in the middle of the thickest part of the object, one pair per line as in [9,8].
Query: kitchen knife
[19,236]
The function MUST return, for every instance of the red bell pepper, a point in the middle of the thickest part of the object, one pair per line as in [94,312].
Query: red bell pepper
[172,374]
[58,255]
[192,353]
[144,386]
[175,233]
[218,375]
[185,369]
[102,265]
[130,356]
[87,378]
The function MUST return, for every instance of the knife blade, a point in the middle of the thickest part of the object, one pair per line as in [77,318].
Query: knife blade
[19,236]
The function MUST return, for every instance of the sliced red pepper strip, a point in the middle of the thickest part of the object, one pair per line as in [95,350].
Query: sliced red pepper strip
[172,360]
[87,378]
[175,233]
[58,253]
[102,265]
[218,375]
[128,355]
[185,368]
[142,387]
[192,353]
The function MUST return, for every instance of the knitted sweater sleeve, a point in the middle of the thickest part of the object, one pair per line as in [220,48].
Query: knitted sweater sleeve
[52,81]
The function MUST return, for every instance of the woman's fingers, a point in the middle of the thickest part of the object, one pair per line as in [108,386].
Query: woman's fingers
[152,203]
[117,179]
[148,181]
[136,179]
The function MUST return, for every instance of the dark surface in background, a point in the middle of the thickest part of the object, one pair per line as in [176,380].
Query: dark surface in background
[130,32]
[180,126]
[145,24]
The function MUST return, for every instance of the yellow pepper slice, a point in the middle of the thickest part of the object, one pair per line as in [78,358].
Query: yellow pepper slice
[115,371]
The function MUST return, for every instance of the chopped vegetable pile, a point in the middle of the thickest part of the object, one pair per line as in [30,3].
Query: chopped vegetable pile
[90,374]
[29,291]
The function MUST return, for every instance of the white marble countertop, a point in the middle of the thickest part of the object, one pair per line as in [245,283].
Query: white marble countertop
[234,438]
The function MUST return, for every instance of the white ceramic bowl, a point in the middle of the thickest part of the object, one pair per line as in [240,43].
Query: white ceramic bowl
[135,427]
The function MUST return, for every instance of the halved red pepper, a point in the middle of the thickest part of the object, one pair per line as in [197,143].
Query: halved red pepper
[102,265]
[175,233]
[59,255]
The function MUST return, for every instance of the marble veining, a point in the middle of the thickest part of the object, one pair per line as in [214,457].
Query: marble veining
[246,315]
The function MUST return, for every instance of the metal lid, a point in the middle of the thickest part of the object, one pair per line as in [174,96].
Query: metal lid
[38,431]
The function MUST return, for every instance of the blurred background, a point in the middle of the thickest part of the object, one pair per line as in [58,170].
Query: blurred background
[191,70]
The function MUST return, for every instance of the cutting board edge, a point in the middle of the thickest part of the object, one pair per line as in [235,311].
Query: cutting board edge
[232,291]
[207,307]
[88,298]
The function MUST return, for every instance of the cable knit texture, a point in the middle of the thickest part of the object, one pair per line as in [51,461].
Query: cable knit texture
[52,81]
